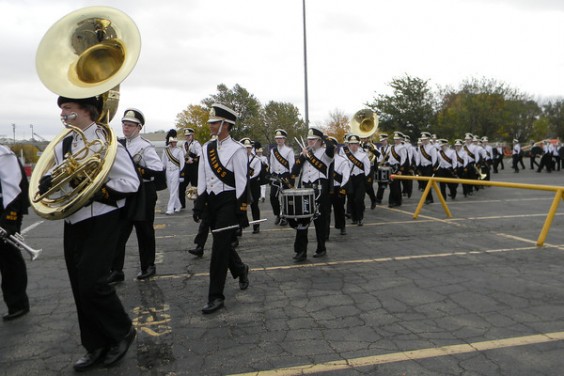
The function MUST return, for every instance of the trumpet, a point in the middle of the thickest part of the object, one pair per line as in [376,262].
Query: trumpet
[17,241]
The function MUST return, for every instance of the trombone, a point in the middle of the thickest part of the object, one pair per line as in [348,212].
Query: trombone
[17,241]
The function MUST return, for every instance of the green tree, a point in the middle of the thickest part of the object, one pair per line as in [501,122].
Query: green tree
[282,115]
[554,112]
[485,107]
[245,104]
[410,109]
[196,117]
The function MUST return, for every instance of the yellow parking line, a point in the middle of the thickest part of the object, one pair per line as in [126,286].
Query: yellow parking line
[409,355]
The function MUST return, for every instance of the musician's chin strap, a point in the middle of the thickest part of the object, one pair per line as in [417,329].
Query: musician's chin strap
[220,128]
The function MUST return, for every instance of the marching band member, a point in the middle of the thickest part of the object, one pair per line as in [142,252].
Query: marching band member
[314,164]
[546,158]
[427,161]
[360,171]
[222,186]
[173,162]
[515,155]
[255,167]
[497,154]
[139,211]
[90,239]
[281,163]
[488,157]
[447,165]
[461,162]
[399,164]
[407,185]
[189,174]
[473,157]
[264,161]
[13,205]
[382,160]
[372,153]
[341,175]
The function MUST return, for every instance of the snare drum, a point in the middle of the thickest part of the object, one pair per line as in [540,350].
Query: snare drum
[383,174]
[297,203]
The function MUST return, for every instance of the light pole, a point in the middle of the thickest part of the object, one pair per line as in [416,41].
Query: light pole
[305,67]
[14,129]
[32,137]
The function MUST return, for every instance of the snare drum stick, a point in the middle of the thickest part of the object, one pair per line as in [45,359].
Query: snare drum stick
[237,226]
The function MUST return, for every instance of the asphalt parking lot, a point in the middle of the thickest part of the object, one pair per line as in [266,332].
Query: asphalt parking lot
[467,295]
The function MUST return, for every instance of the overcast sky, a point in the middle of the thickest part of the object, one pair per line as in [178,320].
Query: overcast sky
[355,48]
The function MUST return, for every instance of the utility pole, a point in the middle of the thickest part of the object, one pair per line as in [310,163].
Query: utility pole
[305,67]
[14,129]
[32,137]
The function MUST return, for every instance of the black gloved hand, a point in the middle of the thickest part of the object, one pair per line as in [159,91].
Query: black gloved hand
[9,221]
[243,220]
[45,184]
[199,206]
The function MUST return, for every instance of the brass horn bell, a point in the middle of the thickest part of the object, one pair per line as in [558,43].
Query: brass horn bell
[87,53]
[364,123]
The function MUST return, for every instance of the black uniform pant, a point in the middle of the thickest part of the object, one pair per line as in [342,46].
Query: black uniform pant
[321,188]
[515,162]
[533,162]
[255,194]
[338,204]
[469,173]
[190,178]
[89,247]
[14,277]
[356,196]
[370,185]
[203,232]
[427,171]
[144,229]
[380,192]
[222,213]
[447,173]
[395,192]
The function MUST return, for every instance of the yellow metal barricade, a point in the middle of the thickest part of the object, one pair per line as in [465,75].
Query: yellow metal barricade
[432,183]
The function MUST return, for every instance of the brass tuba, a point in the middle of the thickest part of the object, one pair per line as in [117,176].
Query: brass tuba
[364,123]
[87,53]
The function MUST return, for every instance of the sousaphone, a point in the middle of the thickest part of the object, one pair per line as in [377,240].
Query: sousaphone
[364,123]
[87,53]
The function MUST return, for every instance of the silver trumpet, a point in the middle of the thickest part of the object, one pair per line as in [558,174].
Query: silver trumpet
[17,241]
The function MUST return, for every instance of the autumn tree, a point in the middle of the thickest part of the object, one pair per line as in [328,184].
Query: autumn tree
[337,125]
[196,117]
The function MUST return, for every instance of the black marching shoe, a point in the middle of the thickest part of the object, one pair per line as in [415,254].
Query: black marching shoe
[283,222]
[144,274]
[116,276]
[212,306]
[343,231]
[360,223]
[277,220]
[320,253]
[118,351]
[427,202]
[244,279]
[89,359]
[256,229]
[300,256]
[15,314]
[198,251]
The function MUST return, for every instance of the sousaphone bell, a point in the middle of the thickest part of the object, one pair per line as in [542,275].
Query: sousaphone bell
[364,123]
[87,53]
